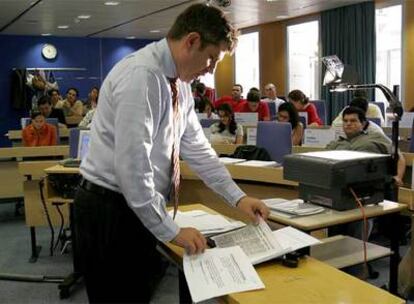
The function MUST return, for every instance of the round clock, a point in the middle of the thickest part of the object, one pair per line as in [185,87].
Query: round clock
[49,51]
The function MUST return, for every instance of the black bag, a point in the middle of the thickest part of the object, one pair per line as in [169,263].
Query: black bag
[250,152]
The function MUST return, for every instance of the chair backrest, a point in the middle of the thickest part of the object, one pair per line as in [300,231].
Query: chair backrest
[206,123]
[381,106]
[73,142]
[55,122]
[302,119]
[276,138]
[375,120]
[272,110]
[321,109]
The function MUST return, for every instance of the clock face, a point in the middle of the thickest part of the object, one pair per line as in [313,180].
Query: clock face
[49,51]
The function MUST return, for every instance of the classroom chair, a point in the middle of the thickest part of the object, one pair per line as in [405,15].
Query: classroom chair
[276,138]
[375,120]
[321,108]
[73,142]
[272,110]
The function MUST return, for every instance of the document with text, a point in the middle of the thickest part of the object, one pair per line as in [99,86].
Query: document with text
[257,242]
[219,271]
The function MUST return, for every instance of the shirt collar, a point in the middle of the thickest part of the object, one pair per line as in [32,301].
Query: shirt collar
[167,62]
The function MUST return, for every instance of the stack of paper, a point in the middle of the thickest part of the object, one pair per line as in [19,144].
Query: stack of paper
[218,272]
[257,242]
[205,222]
[259,163]
[229,160]
[294,207]
[294,238]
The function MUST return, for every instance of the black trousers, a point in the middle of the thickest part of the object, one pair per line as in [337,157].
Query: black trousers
[115,253]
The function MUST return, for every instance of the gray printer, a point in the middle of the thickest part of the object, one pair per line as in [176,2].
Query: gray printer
[325,177]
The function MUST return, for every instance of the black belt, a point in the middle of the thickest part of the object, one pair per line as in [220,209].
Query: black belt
[89,186]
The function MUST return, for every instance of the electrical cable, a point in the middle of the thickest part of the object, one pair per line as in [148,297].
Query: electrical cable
[364,232]
[52,231]
[62,223]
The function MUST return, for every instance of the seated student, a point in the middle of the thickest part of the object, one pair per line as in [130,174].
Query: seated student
[92,100]
[288,113]
[227,131]
[71,105]
[254,105]
[235,100]
[205,106]
[358,139]
[302,104]
[39,133]
[44,105]
[87,119]
[271,96]
[371,111]
[55,99]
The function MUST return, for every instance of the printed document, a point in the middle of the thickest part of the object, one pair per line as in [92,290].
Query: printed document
[205,222]
[218,272]
[295,207]
[257,242]
[294,238]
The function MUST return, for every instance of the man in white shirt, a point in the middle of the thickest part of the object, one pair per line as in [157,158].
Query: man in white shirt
[120,207]
[271,95]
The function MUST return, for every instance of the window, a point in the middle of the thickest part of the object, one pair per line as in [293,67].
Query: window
[208,80]
[303,54]
[247,61]
[388,32]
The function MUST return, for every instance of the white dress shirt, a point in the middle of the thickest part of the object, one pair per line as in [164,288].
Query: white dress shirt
[132,134]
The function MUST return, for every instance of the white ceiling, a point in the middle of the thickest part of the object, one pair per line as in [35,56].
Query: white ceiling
[138,17]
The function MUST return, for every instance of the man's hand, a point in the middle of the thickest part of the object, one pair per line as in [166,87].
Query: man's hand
[253,207]
[191,240]
[398,181]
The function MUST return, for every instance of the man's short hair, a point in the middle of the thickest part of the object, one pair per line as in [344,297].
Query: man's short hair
[360,102]
[253,96]
[238,85]
[208,21]
[45,99]
[355,110]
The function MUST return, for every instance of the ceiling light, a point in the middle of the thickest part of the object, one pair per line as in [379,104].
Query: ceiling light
[84,16]
[63,27]
[154,31]
[46,34]
[111,3]
[130,37]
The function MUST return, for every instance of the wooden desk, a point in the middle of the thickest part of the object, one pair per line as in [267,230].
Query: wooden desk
[311,282]
[11,186]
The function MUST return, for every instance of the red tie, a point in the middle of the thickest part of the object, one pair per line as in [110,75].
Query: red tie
[175,177]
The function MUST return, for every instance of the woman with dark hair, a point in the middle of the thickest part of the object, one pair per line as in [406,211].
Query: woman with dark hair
[288,113]
[87,119]
[227,131]
[39,133]
[302,104]
[205,106]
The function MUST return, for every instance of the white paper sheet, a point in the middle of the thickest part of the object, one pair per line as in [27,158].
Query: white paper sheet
[218,272]
[229,160]
[259,163]
[294,238]
[257,242]
[205,222]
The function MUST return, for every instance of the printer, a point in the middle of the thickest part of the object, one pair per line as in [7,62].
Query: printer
[325,177]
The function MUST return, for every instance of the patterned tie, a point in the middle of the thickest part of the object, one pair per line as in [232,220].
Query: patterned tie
[175,177]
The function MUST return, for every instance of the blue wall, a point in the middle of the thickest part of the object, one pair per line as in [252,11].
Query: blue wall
[96,55]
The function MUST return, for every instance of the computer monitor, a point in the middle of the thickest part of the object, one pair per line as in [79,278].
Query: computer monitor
[83,144]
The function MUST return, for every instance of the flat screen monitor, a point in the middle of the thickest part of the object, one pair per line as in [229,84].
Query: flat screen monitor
[83,145]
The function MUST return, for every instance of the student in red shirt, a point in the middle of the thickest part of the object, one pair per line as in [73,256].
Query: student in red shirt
[302,104]
[235,100]
[253,104]
[39,133]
